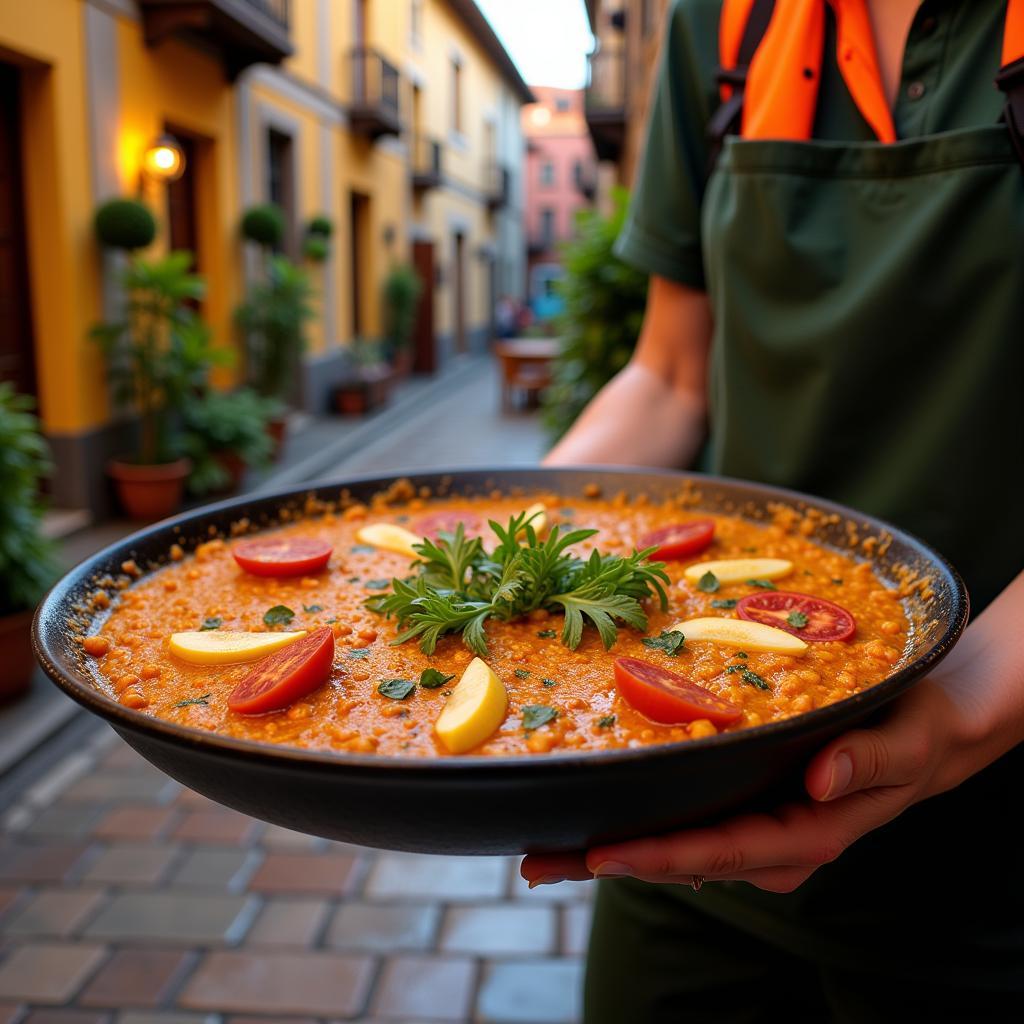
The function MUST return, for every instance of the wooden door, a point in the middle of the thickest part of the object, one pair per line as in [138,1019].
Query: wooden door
[359,238]
[424,341]
[459,292]
[17,351]
[182,212]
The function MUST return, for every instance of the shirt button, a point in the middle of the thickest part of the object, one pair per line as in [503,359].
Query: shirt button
[915,90]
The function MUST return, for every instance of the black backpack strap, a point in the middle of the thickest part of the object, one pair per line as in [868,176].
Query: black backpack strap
[726,118]
[1010,80]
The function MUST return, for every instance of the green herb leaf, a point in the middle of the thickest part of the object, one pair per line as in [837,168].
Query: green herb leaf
[547,634]
[606,721]
[763,584]
[522,673]
[358,653]
[432,679]
[708,583]
[362,549]
[212,623]
[536,715]
[204,700]
[312,609]
[396,689]
[754,679]
[330,622]
[724,602]
[740,654]
[670,641]
[549,682]
[279,615]
[797,620]
[353,579]
[377,584]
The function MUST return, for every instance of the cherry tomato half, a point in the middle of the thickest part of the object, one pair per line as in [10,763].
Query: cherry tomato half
[270,557]
[283,677]
[680,540]
[668,698]
[825,620]
[446,522]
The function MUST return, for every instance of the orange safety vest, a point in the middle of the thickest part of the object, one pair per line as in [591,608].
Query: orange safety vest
[773,93]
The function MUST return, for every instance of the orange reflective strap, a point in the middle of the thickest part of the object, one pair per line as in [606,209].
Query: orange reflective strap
[735,15]
[858,63]
[1013,33]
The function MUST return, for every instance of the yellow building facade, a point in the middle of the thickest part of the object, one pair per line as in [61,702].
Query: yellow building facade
[396,119]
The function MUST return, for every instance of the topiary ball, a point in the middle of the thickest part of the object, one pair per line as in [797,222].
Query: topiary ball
[264,224]
[316,248]
[124,224]
[320,226]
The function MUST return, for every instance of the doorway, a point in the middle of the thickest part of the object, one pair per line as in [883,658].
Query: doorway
[17,347]
[359,259]
[459,293]
[424,343]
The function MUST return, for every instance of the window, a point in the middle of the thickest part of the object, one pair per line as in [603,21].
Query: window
[457,96]
[281,179]
[577,171]
[547,226]
[547,174]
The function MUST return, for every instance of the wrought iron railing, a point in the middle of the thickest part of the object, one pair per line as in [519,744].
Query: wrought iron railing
[427,159]
[606,83]
[276,10]
[497,184]
[376,82]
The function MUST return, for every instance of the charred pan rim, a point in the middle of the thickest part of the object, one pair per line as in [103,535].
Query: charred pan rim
[49,625]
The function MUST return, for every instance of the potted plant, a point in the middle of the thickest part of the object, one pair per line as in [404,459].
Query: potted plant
[402,290]
[27,560]
[316,246]
[368,385]
[224,434]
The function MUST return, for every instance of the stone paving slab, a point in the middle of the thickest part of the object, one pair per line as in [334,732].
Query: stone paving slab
[176,916]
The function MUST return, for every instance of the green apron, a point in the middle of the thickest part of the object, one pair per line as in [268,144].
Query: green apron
[869,347]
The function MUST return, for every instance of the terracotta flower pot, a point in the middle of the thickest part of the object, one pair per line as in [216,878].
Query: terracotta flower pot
[17,663]
[149,492]
[277,428]
[235,466]
[351,399]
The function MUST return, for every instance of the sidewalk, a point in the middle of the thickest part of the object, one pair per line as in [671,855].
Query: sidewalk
[126,899]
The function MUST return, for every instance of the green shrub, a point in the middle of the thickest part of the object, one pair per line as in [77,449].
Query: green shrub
[320,225]
[124,224]
[217,422]
[264,224]
[402,289]
[604,308]
[27,561]
[273,320]
[316,248]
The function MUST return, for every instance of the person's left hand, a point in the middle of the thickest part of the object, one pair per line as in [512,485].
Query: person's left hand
[860,781]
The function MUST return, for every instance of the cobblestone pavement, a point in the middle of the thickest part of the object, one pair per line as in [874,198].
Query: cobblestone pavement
[127,899]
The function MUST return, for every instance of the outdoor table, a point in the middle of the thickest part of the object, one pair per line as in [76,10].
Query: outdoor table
[525,366]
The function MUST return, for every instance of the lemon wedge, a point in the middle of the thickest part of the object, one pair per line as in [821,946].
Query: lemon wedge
[739,570]
[537,517]
[227,647]
[748,636]
[390,538]
[474,710]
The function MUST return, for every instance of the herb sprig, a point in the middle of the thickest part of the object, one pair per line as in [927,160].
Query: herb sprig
[458,585]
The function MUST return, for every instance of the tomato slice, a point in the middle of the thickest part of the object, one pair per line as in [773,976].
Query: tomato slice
[681,540]
[446,522]
[825,620]
[286,675]
[272,557]
[668,698]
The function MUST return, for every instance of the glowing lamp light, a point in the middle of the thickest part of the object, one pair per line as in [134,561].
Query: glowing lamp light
[164,160]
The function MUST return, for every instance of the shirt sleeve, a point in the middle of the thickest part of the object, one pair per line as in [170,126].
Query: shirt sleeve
[662,233]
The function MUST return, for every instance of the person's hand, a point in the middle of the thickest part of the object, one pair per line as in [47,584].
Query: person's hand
[944,730]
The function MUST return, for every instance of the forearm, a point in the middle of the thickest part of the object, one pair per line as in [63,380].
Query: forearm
[637,419]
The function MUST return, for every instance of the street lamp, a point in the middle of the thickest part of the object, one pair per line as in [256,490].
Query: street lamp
[164,159]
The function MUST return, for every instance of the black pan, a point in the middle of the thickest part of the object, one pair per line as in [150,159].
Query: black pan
[495,805]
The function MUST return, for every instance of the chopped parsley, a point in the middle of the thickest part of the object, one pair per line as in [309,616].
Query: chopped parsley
[549,682]
[797,620]
[432,679]
[377,584]
[396,689]
[606,721]
[522,673]
[724,602]
[312,609]
[536,715]
[279,615]
[362,549]
[763,584]
[740,654]
[212,623]
[708,583]
[670,642]
[547,634]
[358,653]
[204,700]
[753,679]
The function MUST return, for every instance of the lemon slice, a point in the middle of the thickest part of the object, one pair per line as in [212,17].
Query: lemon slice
[474,710]
[227,647]
[390,538]
[749,636]
[739,570]
[537,517]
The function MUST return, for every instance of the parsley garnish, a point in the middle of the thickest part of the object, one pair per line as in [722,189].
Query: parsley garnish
[432,679]
[396,689]
[312,609]
[358,653]
[204,700]
[213,623]
[708,583]
[670,641]
[279,615]
[547,634]
[606,721]
[377,584]
[724,602]
[740,654]
[459,585]
[797,620]
[753,679]
[362,549]
[763,584]
[522,673]
[536,715]
[549,682]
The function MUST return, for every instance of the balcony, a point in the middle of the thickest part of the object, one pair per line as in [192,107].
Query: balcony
[427,163]
[585,181]
[375,110]
[540,242]
[497,186]
[240,32]
[605,104]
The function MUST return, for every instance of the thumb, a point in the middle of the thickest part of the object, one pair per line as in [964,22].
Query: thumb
[862,759]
